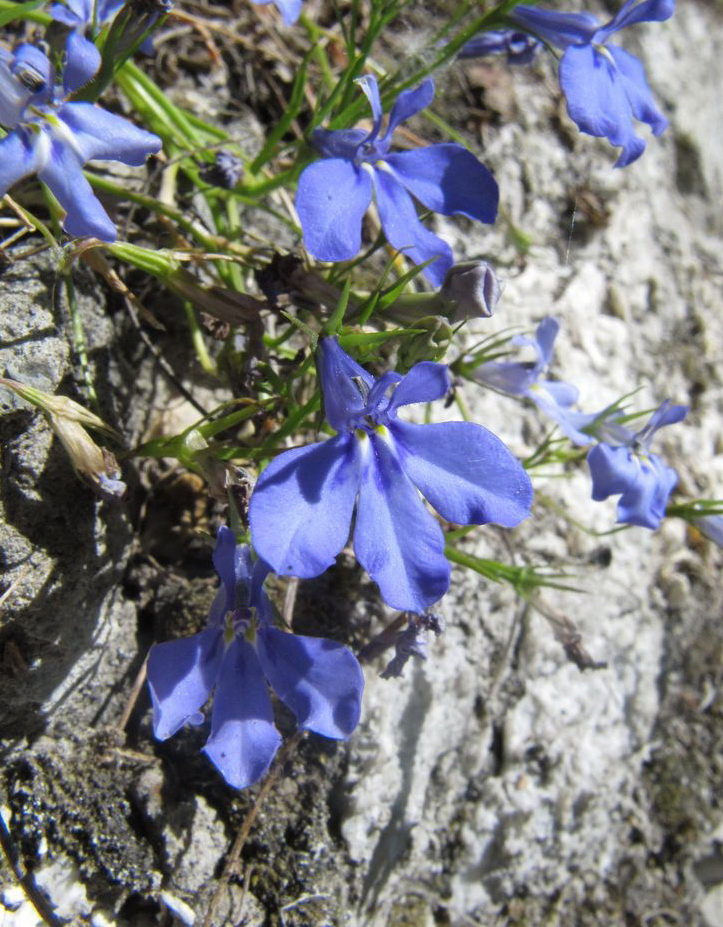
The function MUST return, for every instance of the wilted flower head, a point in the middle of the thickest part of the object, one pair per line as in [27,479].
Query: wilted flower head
[53,138]
[605,86]
[69,420]
[302,507]
[334,193]
[623,465]
[239,654]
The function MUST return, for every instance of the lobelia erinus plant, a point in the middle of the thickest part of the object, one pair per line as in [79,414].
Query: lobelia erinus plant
[391,486]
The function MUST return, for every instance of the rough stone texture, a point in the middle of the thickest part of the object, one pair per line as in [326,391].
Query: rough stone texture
[494,783]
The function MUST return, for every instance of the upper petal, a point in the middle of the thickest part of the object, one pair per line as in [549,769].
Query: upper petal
[331,200]
[408,103]
[224,562]
[302,505]
[82,61]
[425,382]
[404,230]
[369,86]
[559,29]
[633,12]
[448,179]
[319,680]
[243,739]
[343,382]
[99,134]
[397,541]
[181,674]
[465,472]
[72,12]
[597,100]
[63,173]
[545,337]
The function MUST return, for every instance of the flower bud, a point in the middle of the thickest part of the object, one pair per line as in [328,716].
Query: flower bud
[473,288]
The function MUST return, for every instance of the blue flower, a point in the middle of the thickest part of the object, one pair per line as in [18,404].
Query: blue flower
[335,193]
[623,465]
[302,507]
[604,85]
[54,138]
[238,653]
[520,378]
[519,47]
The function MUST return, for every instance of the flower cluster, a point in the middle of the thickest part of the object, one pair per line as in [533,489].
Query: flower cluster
[621,463]
[53,137]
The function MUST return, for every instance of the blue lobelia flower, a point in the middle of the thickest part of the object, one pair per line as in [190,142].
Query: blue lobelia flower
[553,397]
[53,138]
[519,47]
[334,193]
[605,86]
[302,507]
[238,653]
[623,465]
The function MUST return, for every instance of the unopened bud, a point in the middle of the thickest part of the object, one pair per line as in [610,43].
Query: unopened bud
[473,289]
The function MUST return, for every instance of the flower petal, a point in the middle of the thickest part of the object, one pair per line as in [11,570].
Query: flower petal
[630,13]
[545,338]
[644,504]
[448,179]
[407,104]
[404,230]
[559,29]
[613,470]
[370,88]
[18,158]
[101,135]
[63,173]
[640,97]
[301,508]
[397,541]
[465,472]
[338,143]
[82,61]
[289,9]
[341,378]
[425,382]
[319,680]
[72,13]
[224,562]
[331,200]
[181,674]
[243,739]
[597,99]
